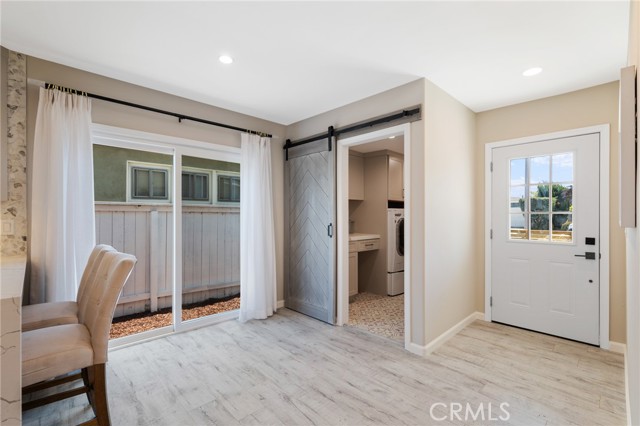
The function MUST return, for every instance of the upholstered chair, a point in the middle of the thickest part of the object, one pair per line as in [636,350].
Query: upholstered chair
[49,314]
[51,355]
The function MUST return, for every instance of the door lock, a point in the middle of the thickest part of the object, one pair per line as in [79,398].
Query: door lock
[589,255]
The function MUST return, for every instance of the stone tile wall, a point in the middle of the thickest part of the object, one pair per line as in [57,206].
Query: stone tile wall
[15,208]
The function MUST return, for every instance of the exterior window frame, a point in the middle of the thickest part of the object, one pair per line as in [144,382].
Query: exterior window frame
[210,190]
[218,174]
[131,165]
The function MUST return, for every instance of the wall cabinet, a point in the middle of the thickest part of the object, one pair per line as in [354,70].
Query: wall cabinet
[395,191]
[353,274]
[356,177]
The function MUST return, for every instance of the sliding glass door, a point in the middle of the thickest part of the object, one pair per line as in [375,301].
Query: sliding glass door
[176,207]
[134,214]
[210,237]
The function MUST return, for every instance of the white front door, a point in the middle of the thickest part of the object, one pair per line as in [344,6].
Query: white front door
[545,255]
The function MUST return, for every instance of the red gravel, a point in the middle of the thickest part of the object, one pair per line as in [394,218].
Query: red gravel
[145,321]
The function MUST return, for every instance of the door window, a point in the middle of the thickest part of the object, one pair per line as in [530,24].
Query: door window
[541,198]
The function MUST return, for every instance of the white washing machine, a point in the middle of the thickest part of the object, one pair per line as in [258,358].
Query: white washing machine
[395,252]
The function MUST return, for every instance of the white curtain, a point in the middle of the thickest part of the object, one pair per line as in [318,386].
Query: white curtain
[62,210]
[257,237]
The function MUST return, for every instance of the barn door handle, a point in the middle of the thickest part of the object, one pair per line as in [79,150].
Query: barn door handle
[590,255]
[330,230]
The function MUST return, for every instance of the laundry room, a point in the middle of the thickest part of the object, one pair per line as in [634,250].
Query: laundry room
[376,237]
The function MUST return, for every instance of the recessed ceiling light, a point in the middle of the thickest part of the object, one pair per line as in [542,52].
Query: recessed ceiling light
[532,71]
[226,59]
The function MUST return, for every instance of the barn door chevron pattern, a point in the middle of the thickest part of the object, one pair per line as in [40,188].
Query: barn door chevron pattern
[311,204]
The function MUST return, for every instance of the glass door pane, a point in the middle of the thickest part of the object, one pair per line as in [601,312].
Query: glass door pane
[134,214]
[210,237]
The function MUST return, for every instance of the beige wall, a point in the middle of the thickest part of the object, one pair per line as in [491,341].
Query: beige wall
[131,118]
[393,100]
[450,258]
[633,256]
[583,108]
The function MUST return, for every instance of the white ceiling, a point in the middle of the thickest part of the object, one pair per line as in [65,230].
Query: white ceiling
[294,60]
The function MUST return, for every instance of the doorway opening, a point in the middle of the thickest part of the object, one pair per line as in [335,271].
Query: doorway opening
[373,241]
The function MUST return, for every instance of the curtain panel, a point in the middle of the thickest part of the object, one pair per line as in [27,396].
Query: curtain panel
[257,235]
[62,207]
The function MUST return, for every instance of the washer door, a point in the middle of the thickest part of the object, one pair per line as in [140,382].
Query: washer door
[400,237]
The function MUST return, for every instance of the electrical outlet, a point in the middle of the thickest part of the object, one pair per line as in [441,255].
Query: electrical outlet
[8,227]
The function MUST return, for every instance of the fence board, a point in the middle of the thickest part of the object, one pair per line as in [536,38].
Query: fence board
[211,245]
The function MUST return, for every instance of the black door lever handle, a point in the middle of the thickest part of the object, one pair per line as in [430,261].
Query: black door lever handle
[590,255]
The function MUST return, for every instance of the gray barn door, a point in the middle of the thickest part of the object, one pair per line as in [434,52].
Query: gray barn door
[310,182]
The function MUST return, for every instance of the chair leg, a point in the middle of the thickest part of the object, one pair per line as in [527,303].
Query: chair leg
[87,383]
[100,405]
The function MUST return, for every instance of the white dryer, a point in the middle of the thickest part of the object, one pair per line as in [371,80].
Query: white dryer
[395,252]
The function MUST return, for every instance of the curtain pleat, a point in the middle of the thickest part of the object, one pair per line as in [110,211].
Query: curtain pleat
[62,203]
[258,299]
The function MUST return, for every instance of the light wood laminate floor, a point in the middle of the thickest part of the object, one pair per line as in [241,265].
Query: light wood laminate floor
[294,370]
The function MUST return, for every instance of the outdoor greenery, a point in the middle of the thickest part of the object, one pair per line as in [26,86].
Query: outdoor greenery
[561,201]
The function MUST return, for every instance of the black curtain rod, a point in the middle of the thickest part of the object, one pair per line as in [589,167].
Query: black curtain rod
[354,127]
[180,117]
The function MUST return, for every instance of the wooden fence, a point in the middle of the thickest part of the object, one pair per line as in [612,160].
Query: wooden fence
[210,247]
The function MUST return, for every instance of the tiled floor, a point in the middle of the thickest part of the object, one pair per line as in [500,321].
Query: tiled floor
[381,315]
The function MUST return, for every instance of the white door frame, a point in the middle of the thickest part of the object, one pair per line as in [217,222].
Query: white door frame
[342,167]
[603,131]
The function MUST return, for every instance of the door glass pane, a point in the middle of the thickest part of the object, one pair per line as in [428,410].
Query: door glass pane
[539,198]
[562,228]
[210,240]
[518,230]
[539,169]
[562,197]
[518,171]
[142,227]
[562,167]
[539,226]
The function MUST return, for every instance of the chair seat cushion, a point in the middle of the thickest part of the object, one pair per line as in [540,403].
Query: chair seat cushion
[53,351]
[51,314]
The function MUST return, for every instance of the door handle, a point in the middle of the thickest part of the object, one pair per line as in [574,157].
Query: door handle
[330,230]
[589,255]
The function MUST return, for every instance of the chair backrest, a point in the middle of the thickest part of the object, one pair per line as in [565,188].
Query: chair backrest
[92,267]
[89,276]
[110,278]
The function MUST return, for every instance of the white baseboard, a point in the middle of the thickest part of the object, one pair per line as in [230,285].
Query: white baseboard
[438,341]
[617,347]
[280,304]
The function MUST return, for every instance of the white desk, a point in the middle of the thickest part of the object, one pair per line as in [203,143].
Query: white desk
[12,270]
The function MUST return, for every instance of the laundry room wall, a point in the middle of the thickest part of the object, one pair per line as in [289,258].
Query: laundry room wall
[450,258]
[582,108]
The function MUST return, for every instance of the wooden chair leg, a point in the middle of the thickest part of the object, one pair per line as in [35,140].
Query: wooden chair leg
[101,404]
[87,383]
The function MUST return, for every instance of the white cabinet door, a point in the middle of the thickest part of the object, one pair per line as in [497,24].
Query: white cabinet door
[356,178]
[353,273]
[395,182]
[545,255]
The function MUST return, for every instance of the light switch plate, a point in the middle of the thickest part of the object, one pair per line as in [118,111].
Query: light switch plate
[8,227]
